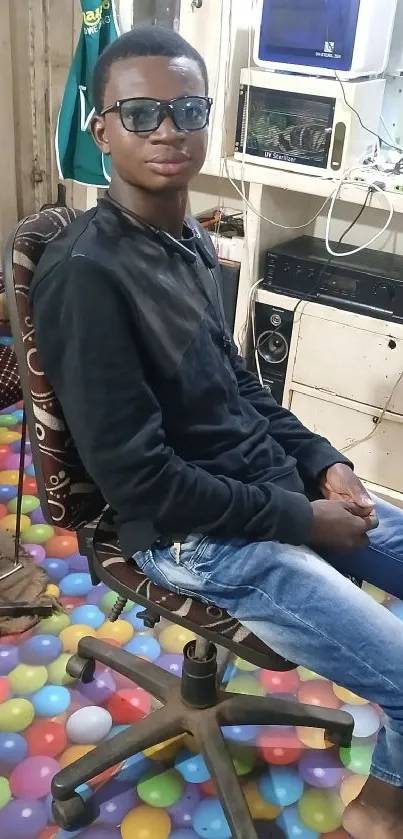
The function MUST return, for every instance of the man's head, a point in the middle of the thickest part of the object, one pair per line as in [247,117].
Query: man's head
[152,63]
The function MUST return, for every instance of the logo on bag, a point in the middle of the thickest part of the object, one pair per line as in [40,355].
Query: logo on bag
[95,19]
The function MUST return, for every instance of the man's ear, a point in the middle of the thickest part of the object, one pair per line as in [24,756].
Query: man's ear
[99,133]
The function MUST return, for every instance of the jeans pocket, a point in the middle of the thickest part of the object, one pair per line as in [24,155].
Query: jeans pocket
[191,551]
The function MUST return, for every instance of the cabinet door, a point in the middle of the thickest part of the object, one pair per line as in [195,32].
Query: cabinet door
[350,362]
[378,459]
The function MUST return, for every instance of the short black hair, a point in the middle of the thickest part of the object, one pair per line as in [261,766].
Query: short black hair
[139,42]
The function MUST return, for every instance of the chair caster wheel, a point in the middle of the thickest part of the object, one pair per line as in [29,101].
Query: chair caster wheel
[74,813]
[81,668]
[341,739]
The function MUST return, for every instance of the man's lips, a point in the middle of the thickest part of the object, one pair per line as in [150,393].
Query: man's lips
[169,164]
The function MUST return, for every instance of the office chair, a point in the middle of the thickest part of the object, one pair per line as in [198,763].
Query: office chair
[194,704]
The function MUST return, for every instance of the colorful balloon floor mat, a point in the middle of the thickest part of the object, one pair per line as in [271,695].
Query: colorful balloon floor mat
[296,785]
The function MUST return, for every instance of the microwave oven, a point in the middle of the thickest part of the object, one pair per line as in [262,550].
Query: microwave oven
[304,124]
[319,37]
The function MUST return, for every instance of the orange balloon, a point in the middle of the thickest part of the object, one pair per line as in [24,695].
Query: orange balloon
[71,635]
[166,751]
[146,823]
[351,788]
[313,738]
[3,511]
[9,522]
[336,834]
[73,753]
[209,788]
[120,631]
[9,477]
[318,692]
[62,546]
[258,807]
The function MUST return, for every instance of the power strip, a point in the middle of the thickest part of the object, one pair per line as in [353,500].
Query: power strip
[384,180]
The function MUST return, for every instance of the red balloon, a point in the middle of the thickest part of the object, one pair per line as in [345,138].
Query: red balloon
[209,788]
[3,511]
[4,690]
[29,486]
[70,603]
[318,692]
[275,682]
[129,705]
[62,546]
[50,832]
[45,737]
[4,452]
[336,834]
[279,747]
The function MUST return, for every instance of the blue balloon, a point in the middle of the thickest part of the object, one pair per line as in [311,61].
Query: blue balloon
[30,470]
[183,834]
[19,415]
[144,645]
[6,340]
[192,767]
[50,701]
[241,733]
[294,828]
[116,729]
[40,649]
[136,622]
[75,585]
[88,616]
[56,569]
[134,768]
[7,493]
[281,786]
[9,655]
[13,748]
[209,820]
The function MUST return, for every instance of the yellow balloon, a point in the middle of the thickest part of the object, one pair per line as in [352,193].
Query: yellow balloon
[10,522]
[73,634]
[73,753]
[374,592]
[245,666]
[120,631]
[7,437]
[173,638]
[308,675]
[51,589]
[259,808]
[347,697]
[166,751]
[313,738]
[146,823]
[351,788]
[191,744]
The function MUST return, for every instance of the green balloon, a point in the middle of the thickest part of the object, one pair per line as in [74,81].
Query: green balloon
[243,757]
[29,503]
[26,678]
[108,601]
[321,811]
[57,671]
[5,792]
[7,421]
[246,684]
[358,759]
[162,790]
[16,715]
[306,675]
[54,624]
[38,534]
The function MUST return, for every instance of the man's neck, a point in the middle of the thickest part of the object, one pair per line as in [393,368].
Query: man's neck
[165,210]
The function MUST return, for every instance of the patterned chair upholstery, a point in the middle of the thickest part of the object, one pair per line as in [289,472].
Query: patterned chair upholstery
[68,496]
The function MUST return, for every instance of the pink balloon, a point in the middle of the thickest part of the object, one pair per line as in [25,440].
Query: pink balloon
[12,461]
[37,552]
[33,777]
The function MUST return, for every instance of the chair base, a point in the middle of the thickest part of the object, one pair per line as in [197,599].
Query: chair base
[192,705]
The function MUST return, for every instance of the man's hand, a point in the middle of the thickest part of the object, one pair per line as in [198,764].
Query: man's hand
[340,483]
[337,527]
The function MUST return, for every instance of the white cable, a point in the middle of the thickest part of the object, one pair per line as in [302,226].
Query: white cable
[335,197]
[380,420]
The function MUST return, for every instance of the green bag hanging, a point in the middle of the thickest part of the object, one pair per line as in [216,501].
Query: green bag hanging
[78,157]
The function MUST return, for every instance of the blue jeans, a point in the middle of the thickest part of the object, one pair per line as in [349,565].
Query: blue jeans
[302,607]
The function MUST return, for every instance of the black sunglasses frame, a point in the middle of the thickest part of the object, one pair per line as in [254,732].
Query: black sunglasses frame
[166,108]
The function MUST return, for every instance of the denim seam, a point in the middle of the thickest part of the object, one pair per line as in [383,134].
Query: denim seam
[317,632]
[386,776]
[386,553]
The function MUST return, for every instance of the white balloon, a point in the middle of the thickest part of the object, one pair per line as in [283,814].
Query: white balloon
[89,725]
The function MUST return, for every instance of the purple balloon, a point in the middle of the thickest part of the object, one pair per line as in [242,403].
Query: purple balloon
[115,801]
[182,812]
[172,663]
[101,831]
[8,658]
[37,552]
[79,563]
[320,769]
[37,517]
[16,447]
[101,688]
[93,597]
[12,461]
[23,819]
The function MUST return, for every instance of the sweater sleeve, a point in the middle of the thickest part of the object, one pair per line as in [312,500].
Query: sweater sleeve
[86,338]
[313,454]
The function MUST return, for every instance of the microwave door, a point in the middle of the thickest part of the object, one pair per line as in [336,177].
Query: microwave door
[289,127]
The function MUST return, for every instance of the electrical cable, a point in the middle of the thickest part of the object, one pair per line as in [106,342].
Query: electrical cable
[365,127]
[373,188]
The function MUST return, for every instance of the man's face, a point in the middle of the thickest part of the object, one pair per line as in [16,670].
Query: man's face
[166,158]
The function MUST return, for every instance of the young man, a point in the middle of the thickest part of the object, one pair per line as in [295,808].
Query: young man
[183,442]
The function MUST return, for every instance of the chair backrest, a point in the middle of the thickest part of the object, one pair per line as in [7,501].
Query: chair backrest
[68,496]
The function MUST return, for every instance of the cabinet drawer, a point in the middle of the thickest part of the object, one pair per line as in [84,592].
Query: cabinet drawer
[352,363]
[378,460]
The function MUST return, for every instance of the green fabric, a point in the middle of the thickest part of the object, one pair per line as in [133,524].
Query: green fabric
[77,155]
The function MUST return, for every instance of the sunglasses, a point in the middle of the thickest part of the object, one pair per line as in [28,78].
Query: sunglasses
[142,116]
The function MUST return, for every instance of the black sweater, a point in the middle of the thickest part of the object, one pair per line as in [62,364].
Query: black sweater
[173,429]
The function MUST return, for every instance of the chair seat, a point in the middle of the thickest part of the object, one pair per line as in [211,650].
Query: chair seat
[126,578]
